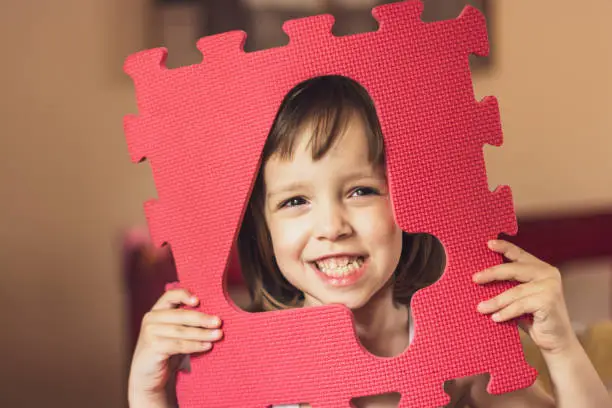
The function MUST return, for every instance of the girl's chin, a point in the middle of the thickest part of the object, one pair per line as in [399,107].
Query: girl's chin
[351,301]
[354,298]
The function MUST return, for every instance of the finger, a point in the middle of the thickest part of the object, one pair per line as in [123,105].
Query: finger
[173,298]
[185,333]
[511,251]
[519,272]
[510,296]
[523,306]
[182,317]
[171,347]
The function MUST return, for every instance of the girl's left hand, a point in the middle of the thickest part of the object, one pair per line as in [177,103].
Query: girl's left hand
[539,293]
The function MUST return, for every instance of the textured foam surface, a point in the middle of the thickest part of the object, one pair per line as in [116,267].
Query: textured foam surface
[202,129]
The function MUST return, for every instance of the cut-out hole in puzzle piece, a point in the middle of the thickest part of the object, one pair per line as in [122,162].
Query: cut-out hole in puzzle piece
[202,129]
[385,399]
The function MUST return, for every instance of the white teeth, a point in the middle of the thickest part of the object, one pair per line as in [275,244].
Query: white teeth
[340,266]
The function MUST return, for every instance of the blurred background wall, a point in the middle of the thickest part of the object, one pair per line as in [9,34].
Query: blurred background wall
[67,187]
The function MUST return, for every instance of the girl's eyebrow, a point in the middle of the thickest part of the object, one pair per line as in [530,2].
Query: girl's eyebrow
[297,185]
[362,174]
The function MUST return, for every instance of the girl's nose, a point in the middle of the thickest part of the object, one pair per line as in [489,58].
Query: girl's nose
[331,223]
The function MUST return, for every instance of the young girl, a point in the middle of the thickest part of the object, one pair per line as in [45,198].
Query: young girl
[319,229]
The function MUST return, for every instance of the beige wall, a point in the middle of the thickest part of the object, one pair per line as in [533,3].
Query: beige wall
[588,290]
[555,90]
[67,187]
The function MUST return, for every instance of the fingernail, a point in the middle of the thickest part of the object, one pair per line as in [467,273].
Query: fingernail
[216,321]
[216,333]
[193,299]
[496,317]
[492,243]
[206,346]
[480,276]
[482,307]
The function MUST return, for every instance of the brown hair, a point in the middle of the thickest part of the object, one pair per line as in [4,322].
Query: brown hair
[326,103]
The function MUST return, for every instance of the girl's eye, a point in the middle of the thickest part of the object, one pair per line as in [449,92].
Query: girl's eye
[292,202]
[364,191]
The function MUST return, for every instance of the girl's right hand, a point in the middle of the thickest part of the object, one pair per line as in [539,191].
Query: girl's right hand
[168,332]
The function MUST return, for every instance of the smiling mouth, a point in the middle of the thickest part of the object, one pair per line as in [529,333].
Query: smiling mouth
[341,266]
[340,271]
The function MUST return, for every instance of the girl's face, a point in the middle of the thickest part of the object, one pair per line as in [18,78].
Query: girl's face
[331,221]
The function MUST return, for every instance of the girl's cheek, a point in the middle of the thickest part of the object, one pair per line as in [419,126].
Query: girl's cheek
[378,224]
[288,236]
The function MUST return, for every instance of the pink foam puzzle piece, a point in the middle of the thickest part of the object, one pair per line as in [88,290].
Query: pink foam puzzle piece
[202,129]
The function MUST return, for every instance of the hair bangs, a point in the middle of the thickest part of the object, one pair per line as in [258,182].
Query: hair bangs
[323,113]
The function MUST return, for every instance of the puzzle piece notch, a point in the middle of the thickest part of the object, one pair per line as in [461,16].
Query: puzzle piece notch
[135,134]
[435,397]
[488,119]
[159,226]
[522,373]
[504,205]
[138,133]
